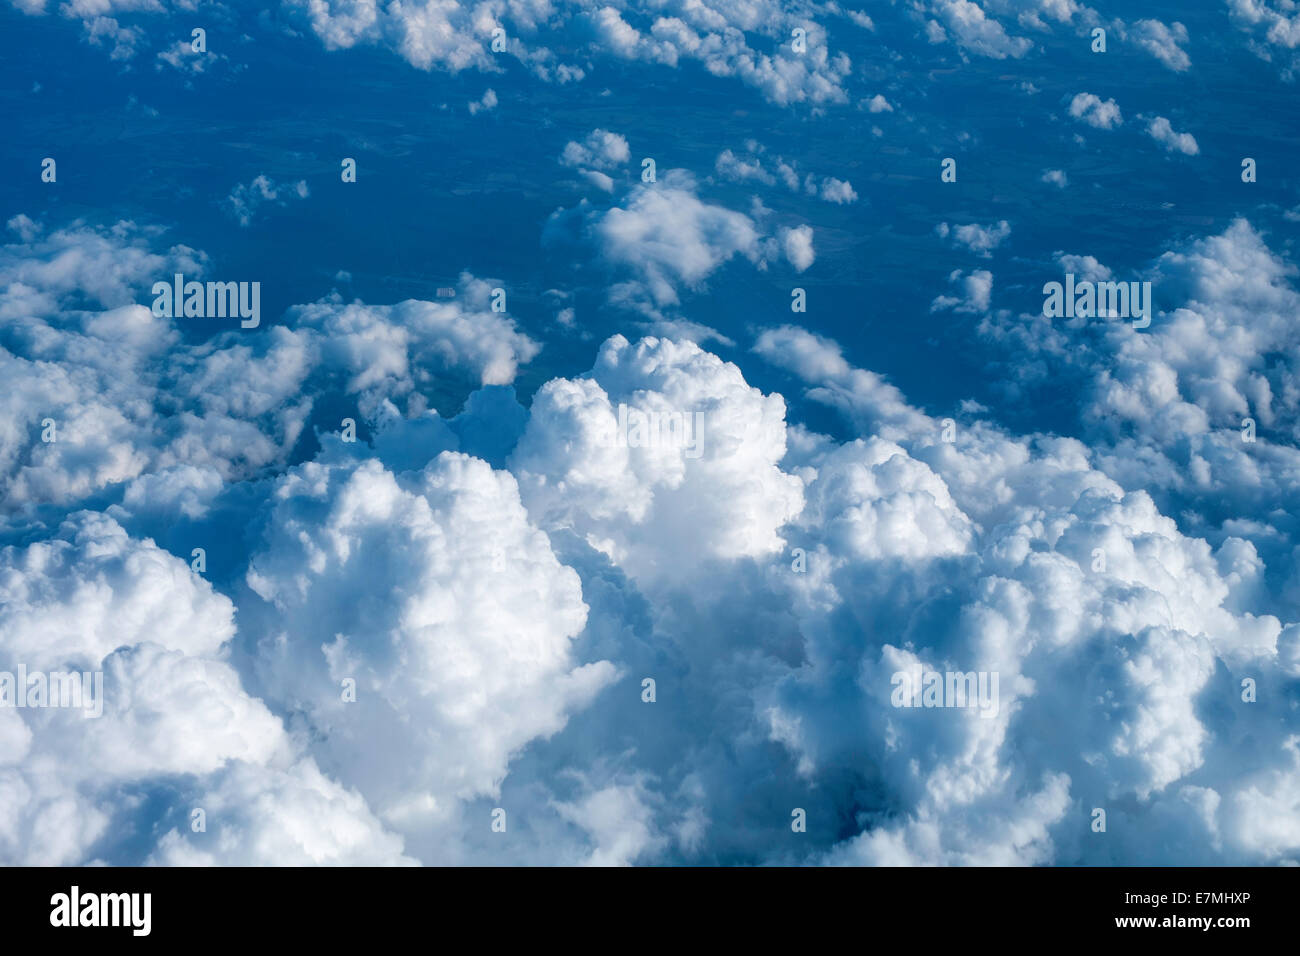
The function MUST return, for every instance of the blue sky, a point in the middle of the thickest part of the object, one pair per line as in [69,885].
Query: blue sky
[920,472]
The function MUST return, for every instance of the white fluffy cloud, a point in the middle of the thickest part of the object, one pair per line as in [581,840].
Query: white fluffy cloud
[981,240]
[1171,408]
[1093,110]
[972,29]
[733,40]
[91,402]
[798,246]
[1163,133]
[659,502]
[976,291]
[1274,28]
[669,236]
[1010,531]
[432,592]
[662,240]
[601,149]
[749,166]
[488,101]
[92,598]
[1162,42]
[498,621]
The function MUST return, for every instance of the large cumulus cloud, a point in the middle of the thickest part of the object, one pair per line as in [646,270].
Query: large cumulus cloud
[505,587]
[102,391]
[447,610]
[176,720]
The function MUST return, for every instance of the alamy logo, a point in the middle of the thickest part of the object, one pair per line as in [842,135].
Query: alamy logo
[682,431]
[946,689]
[55,689]
[1107,300]
[211,300]
[102,909]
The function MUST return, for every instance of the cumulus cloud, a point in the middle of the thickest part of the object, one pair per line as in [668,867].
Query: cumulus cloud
[1274,30]
[798,246]
[981,240]
[492,589]
[1091,109]
[433,593]
[868,531]
[972,29]
[94,598]
[103,392]
[749,166]
[1163,133]
[670,236]
[488,101]
[975,292]
[182,57]
[599,154]
[1162,42]
[730,40]
[863,396]
[601,149]
[108,32]
[662,239]
[661,501]
[1170,408]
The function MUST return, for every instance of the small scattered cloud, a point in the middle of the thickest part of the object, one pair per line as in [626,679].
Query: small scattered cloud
[1091,109]
[488,101]
[246,198]
[1163,133]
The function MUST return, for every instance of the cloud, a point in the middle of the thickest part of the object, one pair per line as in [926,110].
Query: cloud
[182,57]
[291,817]
[838,191]
[619,822]
[976,292]
[106,31]
[127,398]
[174,714]
[1032,616]
[1095,112]
[246,198]
[488,101]
[435,594]
[662,239]
[1162,42]
[730,40]
[600,153]
[396,346]
[662,505]
[749,166]
[1274,29]
[981,240]
[500,583]
[797,243]
[1163,133]
[601,150]
[733,167]
[1166,408]
[668,235]
[973,30]
[863,396]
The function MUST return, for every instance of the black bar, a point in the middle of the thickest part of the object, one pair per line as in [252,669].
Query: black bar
[340,905]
